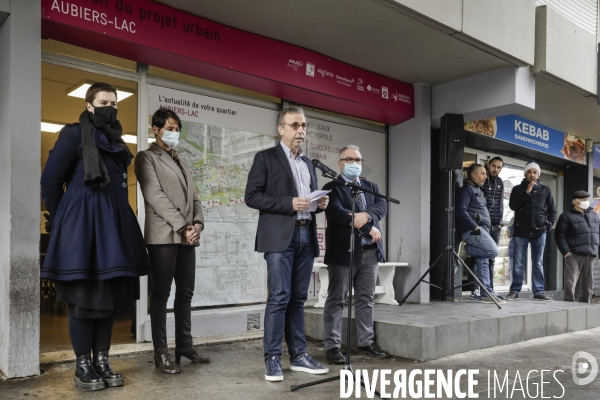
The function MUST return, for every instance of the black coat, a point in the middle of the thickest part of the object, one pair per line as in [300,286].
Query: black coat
[337,235]
[578,232]
[535,212]
[471,208]
[493,188]
[271,189]
[95,234]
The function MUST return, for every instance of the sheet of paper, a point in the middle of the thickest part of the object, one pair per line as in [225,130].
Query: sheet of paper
[314,196]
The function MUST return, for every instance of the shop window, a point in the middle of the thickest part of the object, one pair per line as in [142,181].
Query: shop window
[59,109]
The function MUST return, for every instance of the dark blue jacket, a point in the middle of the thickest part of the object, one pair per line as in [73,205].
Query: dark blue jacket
[471,208]
[535,212]
[337,235]
[270,190]
[493,189]
[578,232]
[95,234]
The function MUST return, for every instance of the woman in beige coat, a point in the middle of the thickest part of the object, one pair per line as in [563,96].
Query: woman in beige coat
[173,224]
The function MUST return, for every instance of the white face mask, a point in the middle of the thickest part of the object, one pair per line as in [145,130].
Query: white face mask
[584,204]
[171,138]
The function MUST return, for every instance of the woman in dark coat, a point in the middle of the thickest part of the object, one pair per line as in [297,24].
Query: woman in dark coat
[96,250]
[172,230]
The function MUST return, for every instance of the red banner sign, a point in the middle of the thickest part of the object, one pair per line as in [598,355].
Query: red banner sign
[155,34]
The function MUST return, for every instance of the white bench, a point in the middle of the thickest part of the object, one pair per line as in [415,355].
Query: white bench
[384,292]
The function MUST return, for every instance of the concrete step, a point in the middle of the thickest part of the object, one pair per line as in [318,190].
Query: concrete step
[438,329]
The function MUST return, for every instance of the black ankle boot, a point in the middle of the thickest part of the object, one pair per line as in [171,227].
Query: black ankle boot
[104,369]
[165,363]
[86,377]
[192,355]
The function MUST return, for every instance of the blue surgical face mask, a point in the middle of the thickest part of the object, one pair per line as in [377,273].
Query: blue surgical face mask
[352,171]
[171,138]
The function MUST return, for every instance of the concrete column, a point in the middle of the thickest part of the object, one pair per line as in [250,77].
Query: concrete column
[409,182]
[20,143]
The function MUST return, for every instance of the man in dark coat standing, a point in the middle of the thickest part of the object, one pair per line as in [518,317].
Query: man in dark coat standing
[279,184]
[535,214]
[368,252]
[493,189]
[577,236]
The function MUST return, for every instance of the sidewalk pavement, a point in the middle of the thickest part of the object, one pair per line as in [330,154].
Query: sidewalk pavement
[237,373]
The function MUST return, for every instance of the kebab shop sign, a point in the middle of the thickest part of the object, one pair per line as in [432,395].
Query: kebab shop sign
[530,134]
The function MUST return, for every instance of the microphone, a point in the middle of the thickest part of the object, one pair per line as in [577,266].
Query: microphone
[324,169]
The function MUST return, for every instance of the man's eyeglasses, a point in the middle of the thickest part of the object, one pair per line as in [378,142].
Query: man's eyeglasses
[351,160]
[295,126]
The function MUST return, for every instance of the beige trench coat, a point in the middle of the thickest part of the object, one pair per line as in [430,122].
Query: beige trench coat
[170,202]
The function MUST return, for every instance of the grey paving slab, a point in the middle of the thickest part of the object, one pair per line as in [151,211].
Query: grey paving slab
[483,333]
[452,339]
[557,322]
[438,329]
[534,326]
[510,329]
[576,319]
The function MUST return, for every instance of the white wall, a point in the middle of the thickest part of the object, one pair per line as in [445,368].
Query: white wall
[506,25]
[410,182]
[20,106]
[564,51]
[509,90]
[505,28]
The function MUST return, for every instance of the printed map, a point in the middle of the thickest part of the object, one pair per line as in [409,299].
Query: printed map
[228,270]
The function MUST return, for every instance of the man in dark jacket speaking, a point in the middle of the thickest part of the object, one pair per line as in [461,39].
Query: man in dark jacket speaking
[473,224]
[577,236]
[535,214]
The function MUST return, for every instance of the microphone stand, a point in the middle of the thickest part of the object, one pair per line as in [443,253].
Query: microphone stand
[356,190]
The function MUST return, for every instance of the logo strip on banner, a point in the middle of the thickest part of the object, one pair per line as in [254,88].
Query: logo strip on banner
[162,36]
[526,133]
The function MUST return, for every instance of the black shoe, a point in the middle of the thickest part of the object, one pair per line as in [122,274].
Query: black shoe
[166,365]
[105,371]
[192,355]
[542,297]
[335,356]
[86,377]
[512,296]
[373,351]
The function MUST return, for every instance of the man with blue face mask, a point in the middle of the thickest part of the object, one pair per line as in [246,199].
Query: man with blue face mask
[368,252]
[577,236]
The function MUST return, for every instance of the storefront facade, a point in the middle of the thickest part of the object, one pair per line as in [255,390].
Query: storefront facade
[227,85]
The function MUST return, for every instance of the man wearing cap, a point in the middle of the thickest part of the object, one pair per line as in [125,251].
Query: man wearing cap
[535,214]
[577,236]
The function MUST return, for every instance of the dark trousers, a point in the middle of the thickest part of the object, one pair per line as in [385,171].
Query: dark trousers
[579,269]
[364,278]
[168,262]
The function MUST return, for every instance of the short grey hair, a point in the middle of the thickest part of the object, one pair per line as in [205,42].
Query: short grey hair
[348,147]
[288,110]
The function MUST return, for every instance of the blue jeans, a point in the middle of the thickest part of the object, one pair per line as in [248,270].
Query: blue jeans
[481,247]
[537,263]
[289,274]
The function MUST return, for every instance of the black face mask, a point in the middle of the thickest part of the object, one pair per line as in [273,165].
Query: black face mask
[106,114]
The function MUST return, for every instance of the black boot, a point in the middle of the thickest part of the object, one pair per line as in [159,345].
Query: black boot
[104,369]
[86,377]
[164,362]
[192,355]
